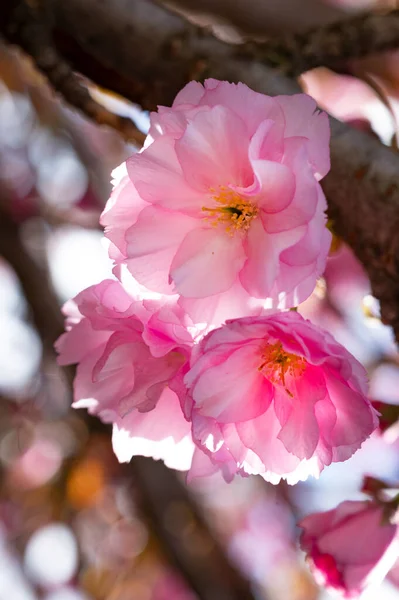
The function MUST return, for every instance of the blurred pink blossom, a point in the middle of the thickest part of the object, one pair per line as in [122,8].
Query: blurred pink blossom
[262,543]
[276,396]
[37,465]
[223,205]
[351,99]
[169,586]
[350,547]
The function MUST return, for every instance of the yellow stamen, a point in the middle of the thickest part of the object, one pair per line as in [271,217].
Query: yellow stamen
[234,211]
[277,363]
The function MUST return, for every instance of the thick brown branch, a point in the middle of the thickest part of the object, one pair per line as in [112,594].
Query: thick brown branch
[260,18]
[27,26]
[363,193]
[331,45]
[305,34]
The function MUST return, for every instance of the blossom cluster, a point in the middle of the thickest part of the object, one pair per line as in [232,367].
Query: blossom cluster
[218,225]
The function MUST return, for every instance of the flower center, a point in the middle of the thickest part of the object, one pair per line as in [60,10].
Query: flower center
[277,364]
[233,211]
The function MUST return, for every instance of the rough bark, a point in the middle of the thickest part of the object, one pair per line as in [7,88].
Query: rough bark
[331,45]
[260,17]
[29,25]
[297,35]
[135,23]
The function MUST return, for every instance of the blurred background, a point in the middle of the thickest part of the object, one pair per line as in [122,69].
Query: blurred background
[74,524]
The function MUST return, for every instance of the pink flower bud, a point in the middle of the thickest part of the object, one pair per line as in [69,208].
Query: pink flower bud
[350,547]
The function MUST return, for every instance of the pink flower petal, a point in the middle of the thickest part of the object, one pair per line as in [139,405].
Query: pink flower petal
[260,435]
[162,433]
[151,378]
[166,329]
[234,303]
[123,206]
[300,433]
[190,94]
[206,263]
[268,141]
[262,266]
[104,303]
[157,175]
[307,195]
[250,106]
[277,186]
[74,345]
[208,151]
[167,122]
[245,458]
[313,125]
[360,528]
[115,382]
[152,244]
[201,466]
[355,421]
[223,393]
[316,239]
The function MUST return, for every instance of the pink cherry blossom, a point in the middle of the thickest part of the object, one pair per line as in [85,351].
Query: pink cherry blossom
[350,547]
[223,204]
[131,356]
[275,395]
[123,206]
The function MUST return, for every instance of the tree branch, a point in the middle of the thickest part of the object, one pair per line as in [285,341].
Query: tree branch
[331,45]
[260,18]
[302,34]
[142,22]
[28,26]
[172,513]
